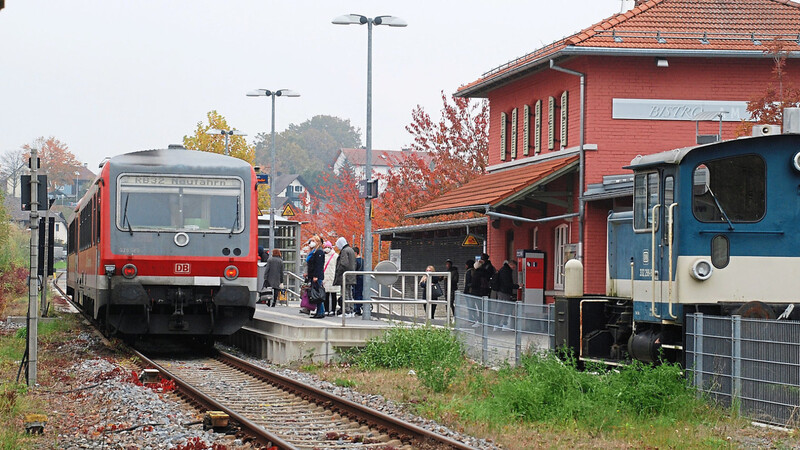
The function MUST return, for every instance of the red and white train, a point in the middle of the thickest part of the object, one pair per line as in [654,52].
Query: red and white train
[164,243]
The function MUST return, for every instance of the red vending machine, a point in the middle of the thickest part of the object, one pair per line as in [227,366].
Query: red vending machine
[530,276]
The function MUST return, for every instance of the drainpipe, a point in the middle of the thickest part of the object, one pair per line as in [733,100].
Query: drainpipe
[582,164]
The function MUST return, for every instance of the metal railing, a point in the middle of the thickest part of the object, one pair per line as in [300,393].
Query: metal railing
[399,296]
[750,365]
[497,331]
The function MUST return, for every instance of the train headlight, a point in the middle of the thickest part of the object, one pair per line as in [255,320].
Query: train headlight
[129,271]
[110,270]
[701,269]
[231,273]
[796,161]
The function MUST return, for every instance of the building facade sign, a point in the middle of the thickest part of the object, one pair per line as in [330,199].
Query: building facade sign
[654,109]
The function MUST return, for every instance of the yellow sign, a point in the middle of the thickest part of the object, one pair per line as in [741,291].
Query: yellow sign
[470,241]
[288,211]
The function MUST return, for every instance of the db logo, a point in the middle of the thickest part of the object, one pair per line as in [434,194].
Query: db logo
[182,268]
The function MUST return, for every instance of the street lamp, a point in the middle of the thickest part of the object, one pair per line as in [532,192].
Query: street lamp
[357,19]
[273,94]
[226,133]
[77,174]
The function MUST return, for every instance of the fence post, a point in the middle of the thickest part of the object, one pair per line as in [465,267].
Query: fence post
[517,332]
[698,351]
[551,325]
[484,331]
[736,362]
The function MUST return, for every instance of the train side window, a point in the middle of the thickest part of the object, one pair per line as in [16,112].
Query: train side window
[730,189]
[645,197]
[669,190]
[720,251]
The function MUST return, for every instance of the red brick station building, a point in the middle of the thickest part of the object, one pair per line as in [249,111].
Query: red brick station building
[566,118]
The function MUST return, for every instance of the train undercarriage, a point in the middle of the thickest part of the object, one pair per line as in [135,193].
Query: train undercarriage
[603,329]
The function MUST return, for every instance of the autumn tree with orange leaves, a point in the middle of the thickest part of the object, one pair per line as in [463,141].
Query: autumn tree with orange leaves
[336,208]
[451,152]
[457,146]
[767,108]
[56,160]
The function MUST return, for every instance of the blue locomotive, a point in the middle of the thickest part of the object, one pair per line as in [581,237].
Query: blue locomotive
[714,230]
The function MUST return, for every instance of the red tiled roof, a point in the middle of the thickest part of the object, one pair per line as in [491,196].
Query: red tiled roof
[711,25]
[492,188]
[357,156]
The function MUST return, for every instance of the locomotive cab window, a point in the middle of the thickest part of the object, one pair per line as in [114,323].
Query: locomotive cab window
[645,197]
[730,189]
[180,203]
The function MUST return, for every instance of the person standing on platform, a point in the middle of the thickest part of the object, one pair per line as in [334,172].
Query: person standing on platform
[330,272]
[274,275]
[504,288]
[481,281]
[448,266]
[436,289]
[358,288]
[346,262]
[473,305]
[316,270]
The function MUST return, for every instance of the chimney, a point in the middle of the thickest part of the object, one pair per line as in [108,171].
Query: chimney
[627,5]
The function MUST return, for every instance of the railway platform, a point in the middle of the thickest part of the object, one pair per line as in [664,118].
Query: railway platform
[281,334]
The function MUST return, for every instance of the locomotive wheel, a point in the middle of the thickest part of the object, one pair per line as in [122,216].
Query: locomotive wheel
[756,310]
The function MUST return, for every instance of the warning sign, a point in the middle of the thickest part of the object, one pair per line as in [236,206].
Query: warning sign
[470,241]
[288,211]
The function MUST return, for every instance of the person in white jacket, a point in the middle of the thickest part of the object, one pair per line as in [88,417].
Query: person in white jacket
[330,271]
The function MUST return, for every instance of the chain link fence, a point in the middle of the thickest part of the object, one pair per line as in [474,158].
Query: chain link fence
[750,365]
[497,331]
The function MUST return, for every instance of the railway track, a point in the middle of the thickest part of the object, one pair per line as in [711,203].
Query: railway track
[278,412]
[281,412]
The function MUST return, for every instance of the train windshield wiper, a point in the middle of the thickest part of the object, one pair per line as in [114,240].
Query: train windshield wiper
[125,219]
[719,207]
[235,219]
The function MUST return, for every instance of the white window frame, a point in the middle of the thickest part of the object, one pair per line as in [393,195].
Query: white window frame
[561,240]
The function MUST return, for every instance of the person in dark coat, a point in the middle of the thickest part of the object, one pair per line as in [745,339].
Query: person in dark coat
[448,266]
[504,287]
[273,277]
[358,288]
[481,281]
[316,271]
[345,263]
[473,305]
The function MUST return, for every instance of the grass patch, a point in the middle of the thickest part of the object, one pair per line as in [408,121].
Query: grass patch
[15,400]
[434,353]
[543,402]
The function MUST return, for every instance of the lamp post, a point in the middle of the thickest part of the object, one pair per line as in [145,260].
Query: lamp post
[227,134]
[357,19]
[273,94]
[77,174]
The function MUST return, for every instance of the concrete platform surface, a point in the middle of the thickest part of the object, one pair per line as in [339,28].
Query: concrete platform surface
[282,335]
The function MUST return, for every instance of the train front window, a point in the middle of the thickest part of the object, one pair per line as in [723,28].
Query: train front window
[645,197]
[184,203]
[730,190]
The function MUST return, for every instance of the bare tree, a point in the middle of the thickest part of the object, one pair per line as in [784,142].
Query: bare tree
[13,163]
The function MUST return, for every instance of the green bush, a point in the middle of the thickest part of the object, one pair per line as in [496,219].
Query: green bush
[546,389]
[434,353]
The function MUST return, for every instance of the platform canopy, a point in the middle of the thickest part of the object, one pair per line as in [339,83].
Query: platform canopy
[498,188]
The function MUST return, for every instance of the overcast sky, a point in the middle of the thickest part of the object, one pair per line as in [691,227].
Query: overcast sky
[112,76]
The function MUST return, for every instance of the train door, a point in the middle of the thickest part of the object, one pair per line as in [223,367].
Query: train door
[664,241]
[654,207]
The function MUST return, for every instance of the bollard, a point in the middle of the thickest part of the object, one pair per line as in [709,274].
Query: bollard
[573,278]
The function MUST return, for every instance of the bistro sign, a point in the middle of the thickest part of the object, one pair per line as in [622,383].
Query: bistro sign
[653,109]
